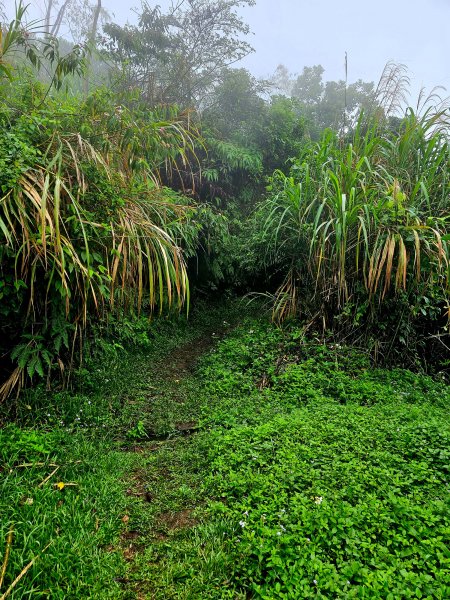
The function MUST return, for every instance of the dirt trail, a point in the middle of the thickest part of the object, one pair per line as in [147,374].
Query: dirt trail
[172,371]
[181,362]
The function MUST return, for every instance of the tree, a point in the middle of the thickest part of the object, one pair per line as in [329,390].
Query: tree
[23,38]
[179,56]
[280,134]
[341,104]
[309,87]
[333,104]
[282,80]
[236,104]
[83,19]
[249,136]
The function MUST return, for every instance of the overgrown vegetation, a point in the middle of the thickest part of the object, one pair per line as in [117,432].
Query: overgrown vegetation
[142,175]
[69,458]
[361,233]
[333,477]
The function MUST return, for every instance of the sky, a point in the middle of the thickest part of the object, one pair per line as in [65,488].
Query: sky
[300,33]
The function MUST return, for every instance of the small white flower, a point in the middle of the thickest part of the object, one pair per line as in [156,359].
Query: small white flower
[308,540]
[89,402]
[315,581]
[348,582]
[246,513]
[251,331]
[282,511]
[282,528]
[318,499]
[278,532]
[242,523]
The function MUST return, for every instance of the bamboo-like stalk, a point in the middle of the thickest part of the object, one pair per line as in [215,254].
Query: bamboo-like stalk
[366,211]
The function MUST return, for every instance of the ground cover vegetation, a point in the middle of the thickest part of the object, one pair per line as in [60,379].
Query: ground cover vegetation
[142,174]
[260,463]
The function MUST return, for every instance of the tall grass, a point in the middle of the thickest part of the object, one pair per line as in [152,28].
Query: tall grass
[85,226]
[363,221]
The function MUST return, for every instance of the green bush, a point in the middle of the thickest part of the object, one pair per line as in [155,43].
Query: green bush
[86,229]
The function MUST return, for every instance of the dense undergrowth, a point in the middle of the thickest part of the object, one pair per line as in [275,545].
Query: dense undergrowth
[111,203]
[332,476]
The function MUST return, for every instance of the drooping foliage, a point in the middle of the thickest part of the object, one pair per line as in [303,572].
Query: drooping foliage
[352,231]
[85,225]
[361,230]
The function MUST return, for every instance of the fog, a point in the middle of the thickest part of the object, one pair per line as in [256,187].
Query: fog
[308,32]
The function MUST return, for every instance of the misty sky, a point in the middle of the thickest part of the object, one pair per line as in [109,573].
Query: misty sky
[306,32]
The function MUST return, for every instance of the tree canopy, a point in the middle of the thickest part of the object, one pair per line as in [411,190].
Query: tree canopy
[179,55]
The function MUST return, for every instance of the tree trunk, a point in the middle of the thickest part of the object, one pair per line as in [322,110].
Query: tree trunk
[91,39]
[59,18]
[48,14]
[95,22]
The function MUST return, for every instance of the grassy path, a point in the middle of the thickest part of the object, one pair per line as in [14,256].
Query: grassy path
[166,536]
[79,523]
[219,461]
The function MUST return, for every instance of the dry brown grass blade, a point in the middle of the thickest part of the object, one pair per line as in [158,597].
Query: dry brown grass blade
[166,271]
[286,302]
[14,382]
[441,252]
[389,265]
[9,539]
[44,481]
[23,572]
[373,264]
[380,265]
[35,464]
[400,278]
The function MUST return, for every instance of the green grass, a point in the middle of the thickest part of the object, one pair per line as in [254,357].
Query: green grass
[81,522]
[121,396]
[270,467]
